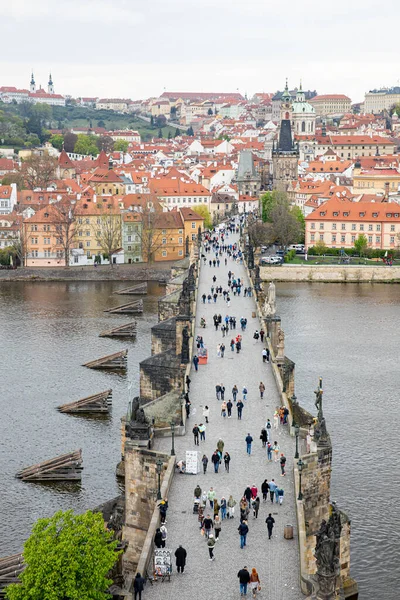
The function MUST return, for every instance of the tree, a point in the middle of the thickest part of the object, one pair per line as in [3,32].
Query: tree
[260,234]
[268,202]
[67,557]
[160,121]
[190,131]
[108,230]
[204,212]
[20,245]
[361,244]
[150,233]
[285,227]
[177,132]
[17,178]
[320,248]
[210,111]
[39,171]
[121,146]
[105,142]
[65,217]
[70,140]
[57,141]
[160,133]
[101,124]
[152,121]
[169,134]
[86,144]
[298,214]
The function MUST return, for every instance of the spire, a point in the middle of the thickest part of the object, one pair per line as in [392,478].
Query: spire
[33,84]
[301,86]
[50,80]
[32,79]
[286,96]
[50,86]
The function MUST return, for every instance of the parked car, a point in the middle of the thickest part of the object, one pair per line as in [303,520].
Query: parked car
[298,248]
[270,260]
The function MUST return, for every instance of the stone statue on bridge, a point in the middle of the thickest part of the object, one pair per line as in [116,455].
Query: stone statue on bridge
[270,302]
[327,555]
[185,345]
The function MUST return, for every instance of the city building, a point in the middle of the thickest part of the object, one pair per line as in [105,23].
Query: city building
[331,104]
[248,179]
[355,146]
[380,178]
[128,136]
[285,153]
[117,104]
[338,223]
[303,115]
[377,101]
[175,192]
[131,236]
[8,198]
[34,94]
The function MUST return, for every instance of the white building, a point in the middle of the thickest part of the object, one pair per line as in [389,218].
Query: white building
[8,198]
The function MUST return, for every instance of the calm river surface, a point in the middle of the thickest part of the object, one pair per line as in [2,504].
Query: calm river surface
[349,335]
[47,330]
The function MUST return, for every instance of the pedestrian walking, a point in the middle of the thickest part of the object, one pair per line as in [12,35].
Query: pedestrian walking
[211,544]
[204,460]
[239,407]
[220,446]
[262,333]
[231,507]
[216,508]
[243,531]
[206,413]
[263,437]
[222,350]
[232,345]
[187,406]
[244,392]
[244,580]
[235,392]
[163,507]
[265,489]
[138,586]
[222,391]
[164,535]
[202,431]
[256,507]
[261,387]
[188,382]
[196,362]
[229,408]
[249,441]
[196,432]
[283,464]
[276,419]
[208,524]
[248,495]
[180,555]
[218,391]
[254,491]
[197,492]
[272,488]
[223,409]
[223,508]
[255,584]
[281,493]
[275,450]
[158,538]
[264,355]
[215,461]
[217,527]
[211,496]
[227,460]
[270,521]
[268,427]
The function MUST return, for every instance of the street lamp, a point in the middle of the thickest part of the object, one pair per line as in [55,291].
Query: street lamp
[296,433]
[294,401]
[300,465]
[172,424]
[159,466]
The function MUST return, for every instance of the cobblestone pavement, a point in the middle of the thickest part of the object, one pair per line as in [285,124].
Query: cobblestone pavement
[277,560]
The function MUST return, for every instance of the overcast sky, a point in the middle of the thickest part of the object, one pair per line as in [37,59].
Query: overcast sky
[132,49]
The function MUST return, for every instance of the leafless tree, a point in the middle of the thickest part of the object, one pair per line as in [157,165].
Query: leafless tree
[39,171]
[150,233]
[20,245]
[260,234]
[286,229]
[64,216]
[108,230]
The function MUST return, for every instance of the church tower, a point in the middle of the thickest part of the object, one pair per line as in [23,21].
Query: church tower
[50,86]
[285,153]
[33,84]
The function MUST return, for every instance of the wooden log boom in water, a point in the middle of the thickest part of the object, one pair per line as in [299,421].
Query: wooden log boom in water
[135,307]
[66,467]
[10,569]
[98,403]
[116,361]
[139,289]
[127,330]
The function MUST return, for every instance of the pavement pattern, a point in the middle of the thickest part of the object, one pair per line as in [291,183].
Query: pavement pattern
[276,560]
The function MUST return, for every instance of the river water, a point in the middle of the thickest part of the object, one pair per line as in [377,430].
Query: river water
[47,331]
[349,334]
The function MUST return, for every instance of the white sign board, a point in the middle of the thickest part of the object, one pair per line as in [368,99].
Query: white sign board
[192,462]
[162,561]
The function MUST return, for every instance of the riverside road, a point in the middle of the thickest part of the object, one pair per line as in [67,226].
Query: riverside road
[276,560]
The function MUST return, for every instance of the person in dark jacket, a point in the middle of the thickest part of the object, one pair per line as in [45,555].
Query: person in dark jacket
[270,521]
[264,437]
[243,531]
[247,494]
[158,538]
[138,586]
[265,489]
[180,555]
[244,579]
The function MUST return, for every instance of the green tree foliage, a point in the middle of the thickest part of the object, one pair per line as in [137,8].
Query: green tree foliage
[160,133]
[320,248]
[121,145]
[160,121]
[298,214]
[86,144]
[190,131]
[68,557]
[285,228]
[361,244]
[204,212]
[101,124]
[57,141]
[210,111]
[268,202]
[70,140]
[177,132]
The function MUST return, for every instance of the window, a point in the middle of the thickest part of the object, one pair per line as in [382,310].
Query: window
[180,241]
[312,225]
[80,221]
[180,252]
[343,226]
[334,237]
[180,231]
[164,253]
[369,227]
[193,237]
[392,228]
[321,237]
[378,239]
[80,245]
[353,226]
[343,238]
[81,233]
[129,238]
[392,239]
[353,239]
[88,254]
[164,241]
[378,227]
[87,221]
[98,221]
[370,239]
[333,225]
[312,237]
[87,244]
[361,226]
[34,240]
[88,233]
[321,225]
[335,214]
[193,225]
[374,214]
[164,231]
[34,228]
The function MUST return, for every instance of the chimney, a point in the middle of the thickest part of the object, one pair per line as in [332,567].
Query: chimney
[386,196]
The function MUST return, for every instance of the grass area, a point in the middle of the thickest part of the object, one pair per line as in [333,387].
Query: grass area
[334,260]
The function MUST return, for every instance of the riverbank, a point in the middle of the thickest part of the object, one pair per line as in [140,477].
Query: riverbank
[137,272]
[331,274]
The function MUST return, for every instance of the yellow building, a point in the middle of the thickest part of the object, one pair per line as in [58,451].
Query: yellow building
[106,182]
[160,107]
[383,179]
[330,104]
[97,222]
